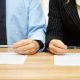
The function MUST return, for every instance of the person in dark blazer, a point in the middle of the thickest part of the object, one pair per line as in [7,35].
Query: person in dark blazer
[64,25]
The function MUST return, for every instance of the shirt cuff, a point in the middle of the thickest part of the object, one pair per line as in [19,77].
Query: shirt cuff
[40,44]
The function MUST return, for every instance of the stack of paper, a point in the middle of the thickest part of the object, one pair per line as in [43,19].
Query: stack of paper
[12,58]
[72,59]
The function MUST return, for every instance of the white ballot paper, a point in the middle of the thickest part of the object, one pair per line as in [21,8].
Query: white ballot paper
[69,59]
[12,58]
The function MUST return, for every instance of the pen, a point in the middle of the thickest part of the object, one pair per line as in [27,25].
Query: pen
[73,47]
[5,46]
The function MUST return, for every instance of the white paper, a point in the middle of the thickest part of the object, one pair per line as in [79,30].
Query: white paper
[72,59]
[12,58]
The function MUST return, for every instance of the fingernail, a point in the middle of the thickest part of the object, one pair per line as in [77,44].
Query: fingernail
[65,47]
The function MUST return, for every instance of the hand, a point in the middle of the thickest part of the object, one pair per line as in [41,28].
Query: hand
[27,47]
[57,47]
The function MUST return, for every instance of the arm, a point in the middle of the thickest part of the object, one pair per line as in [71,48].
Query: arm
[36,21]
[36,30]
[54,33]
[54,26]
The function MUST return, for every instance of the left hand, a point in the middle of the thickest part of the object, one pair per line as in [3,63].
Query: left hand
[57,47]
[27,47]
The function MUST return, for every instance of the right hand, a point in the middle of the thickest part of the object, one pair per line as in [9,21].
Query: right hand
[26,47]
[57,47]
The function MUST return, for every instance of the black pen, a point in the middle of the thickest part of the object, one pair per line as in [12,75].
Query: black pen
[73,47]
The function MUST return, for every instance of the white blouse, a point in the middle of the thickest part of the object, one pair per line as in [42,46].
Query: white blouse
[45,5]
[78,6]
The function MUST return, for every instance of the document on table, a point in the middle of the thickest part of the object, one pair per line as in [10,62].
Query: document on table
[69,59]
[12,58]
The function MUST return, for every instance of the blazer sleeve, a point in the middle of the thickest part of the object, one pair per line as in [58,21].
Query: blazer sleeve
[54,26]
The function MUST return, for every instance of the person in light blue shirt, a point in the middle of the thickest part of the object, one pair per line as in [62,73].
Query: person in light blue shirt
[25,24]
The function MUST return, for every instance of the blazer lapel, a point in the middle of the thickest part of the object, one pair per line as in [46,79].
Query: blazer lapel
[71,10]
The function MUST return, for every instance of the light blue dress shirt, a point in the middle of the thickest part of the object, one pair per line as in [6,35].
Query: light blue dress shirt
[24,19]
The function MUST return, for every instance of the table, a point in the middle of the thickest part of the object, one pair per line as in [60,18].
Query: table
[39,67]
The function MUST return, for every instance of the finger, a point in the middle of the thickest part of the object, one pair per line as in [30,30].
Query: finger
[25,48]
[58,44]
[30,52]
[19,52]
[22,43]
[27,52]
[56,53]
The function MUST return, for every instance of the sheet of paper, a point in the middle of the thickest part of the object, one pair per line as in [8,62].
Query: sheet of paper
[12,58]
[72,59]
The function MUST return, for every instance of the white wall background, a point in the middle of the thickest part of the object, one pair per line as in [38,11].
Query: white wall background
[45,5]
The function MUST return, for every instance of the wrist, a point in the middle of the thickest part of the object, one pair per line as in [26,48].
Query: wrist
[41,45]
